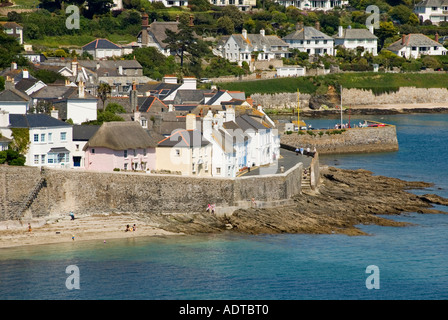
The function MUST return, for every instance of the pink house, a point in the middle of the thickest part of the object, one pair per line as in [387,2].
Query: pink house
[121,145]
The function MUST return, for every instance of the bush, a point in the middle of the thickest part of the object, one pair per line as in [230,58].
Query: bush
[12,158]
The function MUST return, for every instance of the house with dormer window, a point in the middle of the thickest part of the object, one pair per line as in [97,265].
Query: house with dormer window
[435,11]
[310,40]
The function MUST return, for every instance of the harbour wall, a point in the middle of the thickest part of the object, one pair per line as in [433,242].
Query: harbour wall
[86,192]
[354,140]
[355,97]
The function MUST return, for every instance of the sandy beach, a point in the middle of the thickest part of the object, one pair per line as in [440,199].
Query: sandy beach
[61,229]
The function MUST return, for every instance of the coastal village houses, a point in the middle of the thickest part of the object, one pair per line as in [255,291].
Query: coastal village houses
[435,11]
[122,145]
[50,138]
[357,38]
[310,40]
[323,5]
[415,45]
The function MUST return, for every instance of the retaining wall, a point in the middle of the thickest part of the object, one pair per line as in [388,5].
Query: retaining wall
[355,140]
[94,192]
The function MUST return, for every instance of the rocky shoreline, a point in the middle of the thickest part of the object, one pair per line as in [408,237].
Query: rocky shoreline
[345,199]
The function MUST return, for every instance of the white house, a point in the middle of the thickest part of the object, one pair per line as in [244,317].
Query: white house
[13,29]
[172,3]
[291,71]
[242,47]
[435,11]
[415,45]
[230,144]
[50,139]
[353,38]
[323,5]
[12,100]
[102,49]
[243,5]
[310,40]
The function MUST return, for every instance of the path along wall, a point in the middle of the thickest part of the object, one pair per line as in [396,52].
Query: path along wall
[354,140]
[94,192]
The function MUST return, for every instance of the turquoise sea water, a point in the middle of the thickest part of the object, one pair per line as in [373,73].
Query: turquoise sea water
[412,261]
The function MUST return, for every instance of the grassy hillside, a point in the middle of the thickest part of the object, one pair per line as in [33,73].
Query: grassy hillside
[378,82]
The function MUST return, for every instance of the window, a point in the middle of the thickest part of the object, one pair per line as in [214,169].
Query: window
[125,166]
[36,159]
[50,137]
[63,136]
[77,147]
[144,152]
[218,170]
[135,152]
[177,152]
[125,152]
[42,159]
[36,138]
[92,150]
[42,137]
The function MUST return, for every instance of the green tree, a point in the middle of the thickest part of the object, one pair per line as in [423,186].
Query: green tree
[9,49]
[115,108]
[225,25]
[386,30]
[104,91]
[235,15]
[12,158]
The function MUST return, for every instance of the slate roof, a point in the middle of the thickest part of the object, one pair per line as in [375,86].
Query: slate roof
[432,3]
[121,135]
[84,132]
[35,120]
[245,122]
[258,41]
[10,25]
[145,103]
[355,34]
[184,138]
[157,30]
[307,33]
[13,95]
[25,83]
[413,40]
[60,93]
[100,44]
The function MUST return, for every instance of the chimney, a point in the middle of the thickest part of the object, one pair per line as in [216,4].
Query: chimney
[55,113]
[403,39]
[75,67]
[145,24]
[189,83]
[169,79]
[137,115]
[4,119]
[25,74]
[230,114]
[341,31]
[81,89]
[120,70]
[191,121]
[207,124]
[371,29]
[9,83]
[244,33]
[437,37]
[170,108]
[262,32]
[317,25]
[133,97]
[13,66]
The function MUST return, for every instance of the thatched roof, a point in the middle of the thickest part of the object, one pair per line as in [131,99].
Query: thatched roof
[121,135]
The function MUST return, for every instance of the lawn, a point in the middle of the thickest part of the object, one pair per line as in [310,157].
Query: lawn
[377,82]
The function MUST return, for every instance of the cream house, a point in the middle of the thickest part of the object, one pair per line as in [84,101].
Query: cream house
[415,45]
[185,151]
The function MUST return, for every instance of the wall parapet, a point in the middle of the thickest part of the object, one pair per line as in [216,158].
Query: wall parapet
[87,192]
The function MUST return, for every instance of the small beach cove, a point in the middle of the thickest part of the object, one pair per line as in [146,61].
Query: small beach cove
[345,200]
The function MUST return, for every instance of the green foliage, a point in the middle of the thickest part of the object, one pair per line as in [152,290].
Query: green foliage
[9,49]
[104,116]
[115,108]
[21,140]
[222,67]
[12,158]
[46,76]
[155,65]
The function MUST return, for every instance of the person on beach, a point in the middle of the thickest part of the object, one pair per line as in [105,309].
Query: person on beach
[29,227]
[127,229]
[72,215]
[297,151]
[134,227]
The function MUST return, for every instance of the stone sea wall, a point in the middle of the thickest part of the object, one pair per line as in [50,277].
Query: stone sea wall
[355,97]
[95,192]
[355,140]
